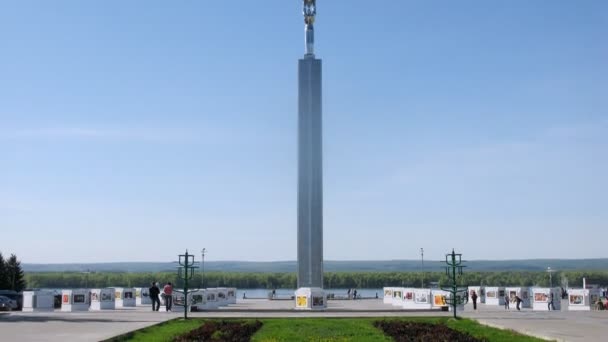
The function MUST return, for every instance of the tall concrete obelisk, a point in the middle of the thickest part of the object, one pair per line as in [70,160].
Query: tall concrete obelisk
[310,165]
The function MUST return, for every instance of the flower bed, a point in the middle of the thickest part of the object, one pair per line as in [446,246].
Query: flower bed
[222,331]
[404,331]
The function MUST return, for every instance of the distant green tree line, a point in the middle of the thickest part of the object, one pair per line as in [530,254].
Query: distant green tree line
[332,279]
[11,274]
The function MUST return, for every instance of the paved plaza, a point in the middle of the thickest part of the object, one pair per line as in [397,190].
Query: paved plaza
[100,325]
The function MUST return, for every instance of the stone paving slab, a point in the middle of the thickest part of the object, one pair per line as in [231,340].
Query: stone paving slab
[82,326]
[100,325]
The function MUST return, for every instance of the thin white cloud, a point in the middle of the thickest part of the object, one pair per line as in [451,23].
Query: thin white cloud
[111,134]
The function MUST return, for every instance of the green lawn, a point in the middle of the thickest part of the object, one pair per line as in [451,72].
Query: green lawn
[319,329]
[326,329]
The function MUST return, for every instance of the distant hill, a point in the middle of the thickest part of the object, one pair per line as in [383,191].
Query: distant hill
[331,266]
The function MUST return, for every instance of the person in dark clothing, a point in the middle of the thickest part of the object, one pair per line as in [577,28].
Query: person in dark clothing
[154,292]
[474,298]
[518,300]
[507,302]
[550,306]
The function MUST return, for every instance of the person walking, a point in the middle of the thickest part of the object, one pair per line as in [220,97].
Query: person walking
[168,291]
[551,306]
[518,300]
[355,294]
[154,292]
[474,298]
[507,302]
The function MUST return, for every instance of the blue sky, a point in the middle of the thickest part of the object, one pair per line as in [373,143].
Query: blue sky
[131,130]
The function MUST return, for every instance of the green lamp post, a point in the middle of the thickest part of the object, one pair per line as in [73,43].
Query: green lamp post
[458,291]
[185,271]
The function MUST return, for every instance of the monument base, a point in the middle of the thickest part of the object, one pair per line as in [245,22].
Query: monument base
[310,298]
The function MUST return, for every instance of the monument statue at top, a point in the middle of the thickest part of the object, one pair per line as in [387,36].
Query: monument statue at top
[310,11]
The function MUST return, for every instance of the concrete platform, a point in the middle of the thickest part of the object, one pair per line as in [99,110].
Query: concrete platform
[100,325]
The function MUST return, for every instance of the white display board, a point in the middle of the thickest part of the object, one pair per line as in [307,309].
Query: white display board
[388,295]
[75,300]
[179,301]
[541,297]
[125,297]
[222,296]
[310,298]
[416,299]
[397,296]
[495,295]
[102,299]
[198,300]
[521,292]
[231,295]
[35,301]
[481,294]
[142,296]
[212,300]
[582,299]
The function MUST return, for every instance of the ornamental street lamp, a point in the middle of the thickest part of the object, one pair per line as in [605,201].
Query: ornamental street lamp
[422,259]
[203,267]
[185,271]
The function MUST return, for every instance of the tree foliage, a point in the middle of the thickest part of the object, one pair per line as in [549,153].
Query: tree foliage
[288,280]
[4,283]
[15,274]
[11,274]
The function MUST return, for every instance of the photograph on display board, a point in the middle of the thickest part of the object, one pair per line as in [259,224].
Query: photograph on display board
[440,300]
[106,297]
[388,293]
[138,293]
[197,299]
[211,296]
[221,295]
[128,295]
[79,299]
[145,293]
[301,301]
[317,301]
[512,295]
[540,297]
[501,293]
[409,296]
[94,297]
[524,295]
[491,294]
[66,298]
[230,293]
[482,292]
[397,294]
[577,300]
[422,297]
[118,295]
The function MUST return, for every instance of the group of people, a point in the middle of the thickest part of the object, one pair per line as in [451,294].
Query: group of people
[167,294]
[354,292]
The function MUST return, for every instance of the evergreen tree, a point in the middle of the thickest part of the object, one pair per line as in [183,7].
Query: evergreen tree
[4,283]
[15,274]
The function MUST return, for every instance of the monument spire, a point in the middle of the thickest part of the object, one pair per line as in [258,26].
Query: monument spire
[310,11]
[310,293]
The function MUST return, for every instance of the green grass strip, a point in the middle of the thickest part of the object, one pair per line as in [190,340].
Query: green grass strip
[327,330]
